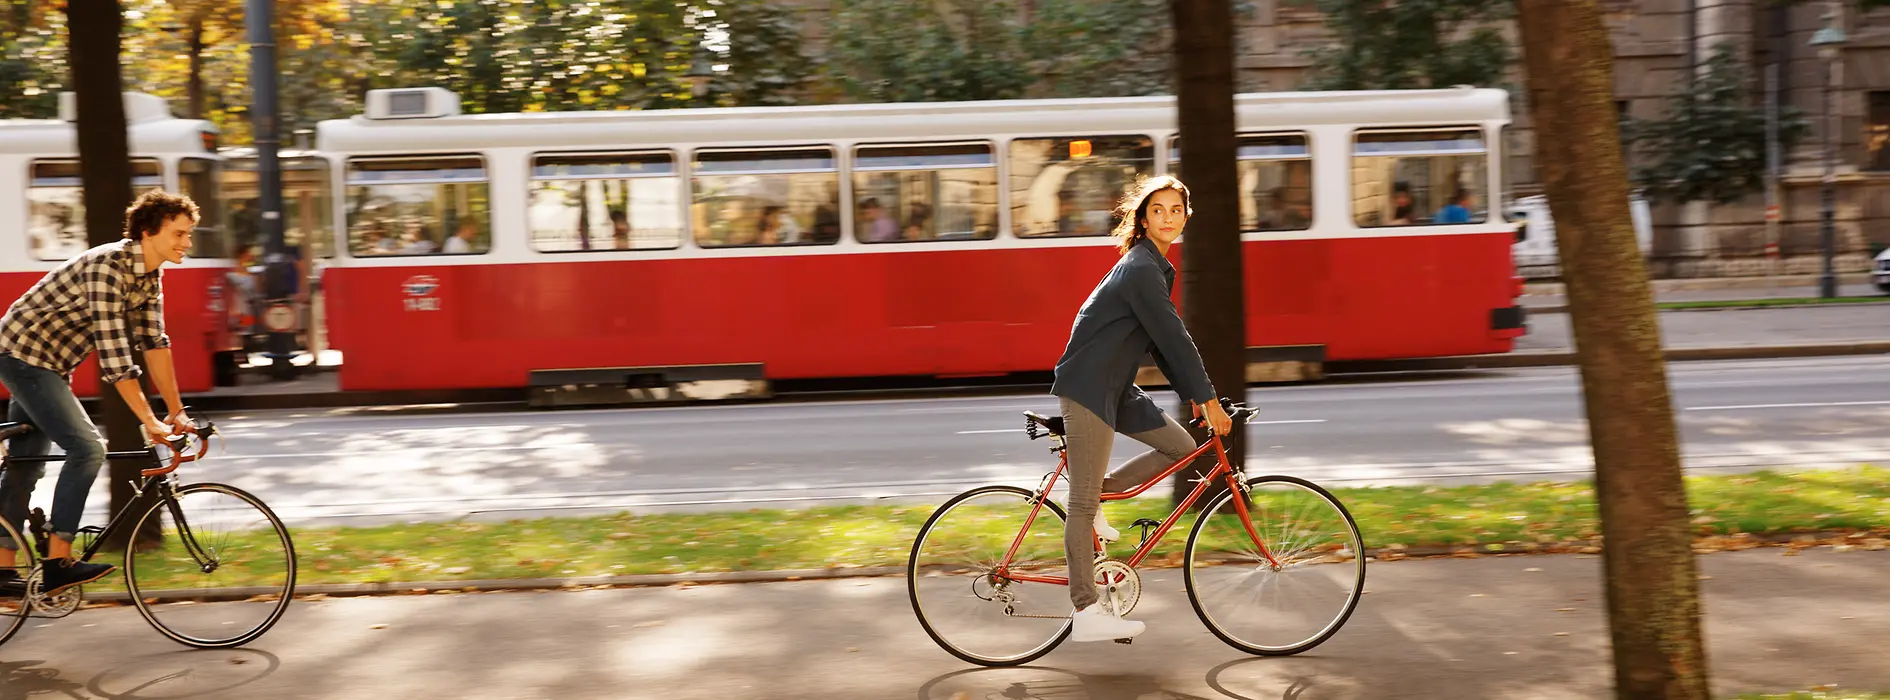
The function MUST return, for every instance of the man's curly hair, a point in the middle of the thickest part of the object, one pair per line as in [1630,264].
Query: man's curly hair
[151,209]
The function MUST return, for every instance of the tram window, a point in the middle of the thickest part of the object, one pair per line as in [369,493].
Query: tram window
[1419,177]
[763,198]
[198,177]
[307,209]
[608,201]
[1070,186]
[418,206]
[924,193]
[56,206]
[1274,172]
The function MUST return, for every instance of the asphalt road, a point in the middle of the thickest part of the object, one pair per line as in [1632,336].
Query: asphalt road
[360,465]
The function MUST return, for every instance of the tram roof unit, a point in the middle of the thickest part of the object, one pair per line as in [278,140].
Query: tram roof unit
[441,128]
[152,129]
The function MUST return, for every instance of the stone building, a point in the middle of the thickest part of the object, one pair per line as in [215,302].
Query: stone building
[1658,44]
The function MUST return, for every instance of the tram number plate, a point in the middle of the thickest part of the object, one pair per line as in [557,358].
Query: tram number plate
[423,304]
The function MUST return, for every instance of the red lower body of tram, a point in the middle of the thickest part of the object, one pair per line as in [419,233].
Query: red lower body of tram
[939,313]
[195,318]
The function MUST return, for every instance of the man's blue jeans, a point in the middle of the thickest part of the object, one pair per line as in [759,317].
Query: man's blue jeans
[45,399]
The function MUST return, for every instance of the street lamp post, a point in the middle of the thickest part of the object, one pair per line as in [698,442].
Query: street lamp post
[1829,42]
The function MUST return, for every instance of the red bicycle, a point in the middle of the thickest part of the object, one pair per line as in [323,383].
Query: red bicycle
[1276,572]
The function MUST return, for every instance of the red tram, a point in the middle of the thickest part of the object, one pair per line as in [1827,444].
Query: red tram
[43,209]
[935,239]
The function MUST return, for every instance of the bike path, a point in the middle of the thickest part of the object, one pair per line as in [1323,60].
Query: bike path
[1497,627]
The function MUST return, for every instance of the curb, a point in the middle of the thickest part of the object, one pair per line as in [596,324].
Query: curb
[341,590]
[1698,284]
[1795,540]
[1564,358]
[1563,308]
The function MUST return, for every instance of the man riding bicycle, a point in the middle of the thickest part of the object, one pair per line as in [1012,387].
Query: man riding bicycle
[109,298]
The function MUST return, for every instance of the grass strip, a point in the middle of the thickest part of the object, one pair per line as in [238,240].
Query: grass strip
[1503,517]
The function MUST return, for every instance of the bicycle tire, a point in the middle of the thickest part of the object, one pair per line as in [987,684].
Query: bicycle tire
[912,593]
[284,597]
[24,563]
[1194,598]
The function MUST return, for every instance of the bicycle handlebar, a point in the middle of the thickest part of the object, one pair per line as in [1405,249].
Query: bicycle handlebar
[179,445]
[1237,412]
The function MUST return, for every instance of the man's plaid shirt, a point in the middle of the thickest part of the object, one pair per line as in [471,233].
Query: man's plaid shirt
[83,305]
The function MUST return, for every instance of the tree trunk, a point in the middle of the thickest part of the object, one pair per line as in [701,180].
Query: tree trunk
[1212,285]
[194,85]
[1652,588]
[105,171]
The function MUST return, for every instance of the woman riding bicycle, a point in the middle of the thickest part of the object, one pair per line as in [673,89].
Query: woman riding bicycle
[1128,315]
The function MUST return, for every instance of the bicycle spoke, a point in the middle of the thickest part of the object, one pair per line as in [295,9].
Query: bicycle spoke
[959,601]
[223,572]
[1259,607]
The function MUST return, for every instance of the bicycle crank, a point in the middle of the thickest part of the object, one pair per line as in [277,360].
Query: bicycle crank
[51,607]
[1121,587]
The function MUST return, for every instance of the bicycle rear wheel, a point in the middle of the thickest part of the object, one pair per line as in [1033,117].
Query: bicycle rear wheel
[962,602]
[223,574]
[13,606]
[1244,598]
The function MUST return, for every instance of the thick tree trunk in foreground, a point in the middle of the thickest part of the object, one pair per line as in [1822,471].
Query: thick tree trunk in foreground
[1211,279]
[1652,588]
[105,171]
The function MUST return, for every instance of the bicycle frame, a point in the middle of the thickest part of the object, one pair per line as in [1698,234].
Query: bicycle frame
[156,486]
[1221,470]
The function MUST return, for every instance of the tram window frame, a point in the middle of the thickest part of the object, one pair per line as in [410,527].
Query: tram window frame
[147,175]
[1067,145]
[1370,210]
[211,237]
[824,165]
[477,197]
[317,200]
[928,160]
[671,208]
[1248,148]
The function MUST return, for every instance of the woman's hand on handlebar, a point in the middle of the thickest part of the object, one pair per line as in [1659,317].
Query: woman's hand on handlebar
[1217,417]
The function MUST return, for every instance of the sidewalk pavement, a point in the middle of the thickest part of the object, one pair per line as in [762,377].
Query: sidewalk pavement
[1516,628]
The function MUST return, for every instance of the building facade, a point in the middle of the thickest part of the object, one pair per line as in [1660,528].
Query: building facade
[1659,44]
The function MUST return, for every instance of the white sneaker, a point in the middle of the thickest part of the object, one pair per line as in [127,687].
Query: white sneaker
[1108,534]
[1097,624]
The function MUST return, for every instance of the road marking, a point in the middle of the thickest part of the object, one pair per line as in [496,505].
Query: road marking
[1789,405]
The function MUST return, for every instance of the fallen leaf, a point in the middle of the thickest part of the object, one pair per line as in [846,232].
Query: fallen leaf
[377,627]
[1561,634]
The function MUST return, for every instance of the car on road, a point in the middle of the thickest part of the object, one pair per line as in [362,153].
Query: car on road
[1881,273]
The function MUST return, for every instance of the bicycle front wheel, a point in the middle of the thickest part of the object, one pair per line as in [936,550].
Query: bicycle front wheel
[963,600]
[223,574]
[1299,597]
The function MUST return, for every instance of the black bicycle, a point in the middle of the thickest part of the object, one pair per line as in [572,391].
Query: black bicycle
[206,540]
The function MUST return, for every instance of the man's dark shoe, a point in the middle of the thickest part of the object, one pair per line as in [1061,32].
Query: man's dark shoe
[61,574]
[11,584]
